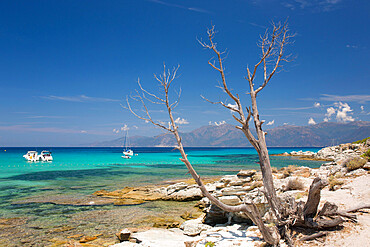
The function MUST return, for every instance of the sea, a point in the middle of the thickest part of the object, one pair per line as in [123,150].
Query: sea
[79,172]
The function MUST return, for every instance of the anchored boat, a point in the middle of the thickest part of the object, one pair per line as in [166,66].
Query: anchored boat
[127,152]
[33,156]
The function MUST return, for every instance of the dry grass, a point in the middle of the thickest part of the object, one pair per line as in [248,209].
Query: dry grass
[355,163]
[287,171]
[334,181]
[294,184]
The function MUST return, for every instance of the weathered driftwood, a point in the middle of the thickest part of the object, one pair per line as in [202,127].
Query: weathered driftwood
[313,236]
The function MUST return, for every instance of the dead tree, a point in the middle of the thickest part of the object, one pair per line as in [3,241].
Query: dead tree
[288,215]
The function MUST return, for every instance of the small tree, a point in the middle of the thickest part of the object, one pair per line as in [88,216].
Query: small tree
[287,215]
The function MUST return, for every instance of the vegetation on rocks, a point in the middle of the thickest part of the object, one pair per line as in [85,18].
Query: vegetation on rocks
[355,163]
[361,141]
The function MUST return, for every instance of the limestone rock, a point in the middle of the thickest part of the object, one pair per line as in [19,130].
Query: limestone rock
[230,200]
[123,235]
[194,227]
[246,173]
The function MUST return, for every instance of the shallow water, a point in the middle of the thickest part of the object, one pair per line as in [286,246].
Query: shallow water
[78,172]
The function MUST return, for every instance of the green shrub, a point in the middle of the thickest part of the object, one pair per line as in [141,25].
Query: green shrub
[209,244]
[366,155]
[355,163]
[361,141]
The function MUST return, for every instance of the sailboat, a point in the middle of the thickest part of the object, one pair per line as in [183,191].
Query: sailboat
[127,152]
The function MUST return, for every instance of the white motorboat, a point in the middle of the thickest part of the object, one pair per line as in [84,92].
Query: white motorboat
[45,156]
[31,156]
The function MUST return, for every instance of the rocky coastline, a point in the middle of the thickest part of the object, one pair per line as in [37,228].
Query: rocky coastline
[202,224]
[347,172]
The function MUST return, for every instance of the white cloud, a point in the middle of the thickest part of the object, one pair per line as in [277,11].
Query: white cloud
[285,123]
[79,98]
[314,5]
[362,108]
[271,122]
[125,128]
[316,104]
[181,121]
[311,121]
[220,123]
[83,131]
[329,112]
[349,98]
[342,112]
[233,106]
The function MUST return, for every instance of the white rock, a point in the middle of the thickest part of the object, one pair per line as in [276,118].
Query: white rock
[230,200]
[194,227]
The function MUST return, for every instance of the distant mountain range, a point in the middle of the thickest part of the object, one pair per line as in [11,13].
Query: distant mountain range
[226,135]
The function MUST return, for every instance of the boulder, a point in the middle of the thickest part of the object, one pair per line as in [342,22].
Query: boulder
[189,194]
[123,235]
[176,187]
[230,200]
[246,173]
[194,227]
[232,190]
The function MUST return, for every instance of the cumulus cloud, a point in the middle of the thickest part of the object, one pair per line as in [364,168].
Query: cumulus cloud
[123,128]
[220,123]
[83,131]
[271,122]
[217,123]
[233,106]
[342,112]
[181,121]
[316,104]
[311,121]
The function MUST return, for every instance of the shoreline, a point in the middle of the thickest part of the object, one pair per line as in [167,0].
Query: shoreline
[184,204]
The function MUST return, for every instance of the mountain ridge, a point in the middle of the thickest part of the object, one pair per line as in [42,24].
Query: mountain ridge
[226,135]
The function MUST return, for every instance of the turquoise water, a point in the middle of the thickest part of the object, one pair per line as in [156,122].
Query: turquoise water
[81,171]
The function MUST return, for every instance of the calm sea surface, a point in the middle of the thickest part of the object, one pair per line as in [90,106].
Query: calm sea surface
[82,171]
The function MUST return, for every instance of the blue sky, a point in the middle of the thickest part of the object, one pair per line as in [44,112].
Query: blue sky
[67,66]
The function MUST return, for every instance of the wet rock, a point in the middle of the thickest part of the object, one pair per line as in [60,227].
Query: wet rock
[86,239]
[61,229]
[124,202]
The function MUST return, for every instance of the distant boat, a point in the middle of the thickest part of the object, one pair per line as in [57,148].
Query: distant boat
[34,156]
[45,156]
[127,152]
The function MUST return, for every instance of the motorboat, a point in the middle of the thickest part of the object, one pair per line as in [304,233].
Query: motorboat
[45,156]
[31,156]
